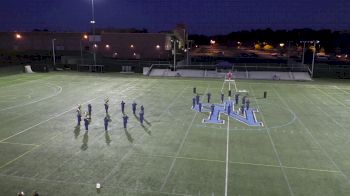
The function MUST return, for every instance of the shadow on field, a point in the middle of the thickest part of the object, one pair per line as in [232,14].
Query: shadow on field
[76,131]
[128,135]
[146,130]
[148,122]
[84,146]
[108,138]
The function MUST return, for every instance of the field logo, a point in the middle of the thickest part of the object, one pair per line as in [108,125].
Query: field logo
[215,110]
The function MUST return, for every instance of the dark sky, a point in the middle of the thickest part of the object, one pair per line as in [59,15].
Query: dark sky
[202,16]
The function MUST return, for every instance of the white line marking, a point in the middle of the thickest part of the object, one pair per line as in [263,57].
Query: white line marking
[179,149]
[273,145]
[315,140]
[341,103]
[227,152]
[42,122]
[42,99]
[89,185]
[227,147]
[13,143]
[240,163]
[113,170]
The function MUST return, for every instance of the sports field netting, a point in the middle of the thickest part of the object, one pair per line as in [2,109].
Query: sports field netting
[302,149]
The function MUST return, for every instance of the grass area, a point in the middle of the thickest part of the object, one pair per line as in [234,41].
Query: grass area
[302,149]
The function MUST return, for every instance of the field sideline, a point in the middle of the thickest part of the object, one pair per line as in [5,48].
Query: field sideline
[302,149]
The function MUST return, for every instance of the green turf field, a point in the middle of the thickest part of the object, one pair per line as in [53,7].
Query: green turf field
[303,148]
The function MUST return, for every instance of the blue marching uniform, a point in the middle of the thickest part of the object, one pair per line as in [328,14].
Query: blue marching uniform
[106,107]
[86,124]
[106,121]
[229,109]
[125,121]
[123,106]
[243,99]
[141,117]
[142,109]
[193,102]
[89,110]
[222,97]
[78,118]
[209,96]
[242,109]
[200,107]
[236,98]
[134,108]
[197,99]
[247,103]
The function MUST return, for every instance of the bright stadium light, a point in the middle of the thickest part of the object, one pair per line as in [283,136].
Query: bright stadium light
[18,36]
[95,45]
[85,36]
[107,45]
[131,46]
[157,46]
[212,42]
[282,44]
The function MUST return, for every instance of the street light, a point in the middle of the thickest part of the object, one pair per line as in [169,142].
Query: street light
[93,22]
[18,36]
[281,45]
[107,46]
[131,46]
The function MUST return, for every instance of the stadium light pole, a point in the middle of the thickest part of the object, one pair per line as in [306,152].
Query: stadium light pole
[93,22]
[158,50]
[81,48]
[174,41]
[303,59]
[53,53]
[313,58]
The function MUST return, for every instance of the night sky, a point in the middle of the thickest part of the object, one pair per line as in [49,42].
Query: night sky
[202,16]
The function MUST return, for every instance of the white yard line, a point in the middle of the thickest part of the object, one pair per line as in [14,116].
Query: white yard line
[341,103]
[42,99]
[316,141]
[13,143]
[179,150]
[223,85]
[227,152]
[42,122]
[113,170]
[87,184]
[234,82]
[227,145]
[273,145]
[92,142]
[239,163]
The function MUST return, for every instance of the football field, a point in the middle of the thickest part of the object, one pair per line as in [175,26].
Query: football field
[303,147]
